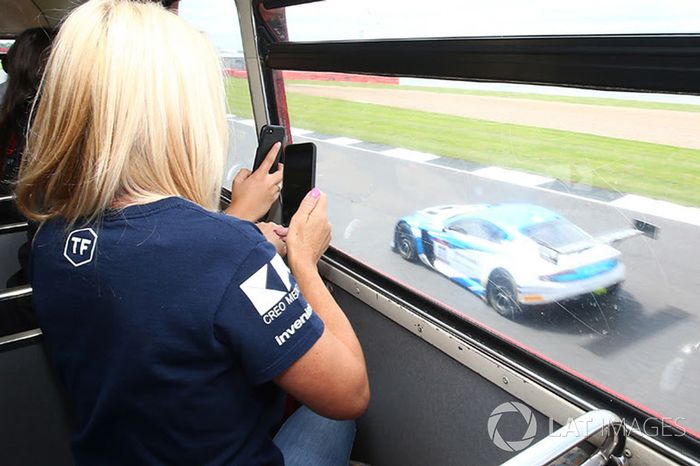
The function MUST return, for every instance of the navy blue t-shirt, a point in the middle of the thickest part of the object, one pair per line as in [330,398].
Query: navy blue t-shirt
[166,323]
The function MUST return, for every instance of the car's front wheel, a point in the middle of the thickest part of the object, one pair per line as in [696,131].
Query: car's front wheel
[405,242]
[502,296]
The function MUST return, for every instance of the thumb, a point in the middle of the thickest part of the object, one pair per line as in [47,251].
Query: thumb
[309,202]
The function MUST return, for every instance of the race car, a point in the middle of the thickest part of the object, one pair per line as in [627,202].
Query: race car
[512,255]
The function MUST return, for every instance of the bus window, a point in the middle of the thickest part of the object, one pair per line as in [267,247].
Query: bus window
[563,175]
[567,175]
[4,47]
[219,20]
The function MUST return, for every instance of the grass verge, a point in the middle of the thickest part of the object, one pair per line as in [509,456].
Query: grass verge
[658,171]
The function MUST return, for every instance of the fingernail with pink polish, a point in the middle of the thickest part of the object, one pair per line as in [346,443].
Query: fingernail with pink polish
[315,193]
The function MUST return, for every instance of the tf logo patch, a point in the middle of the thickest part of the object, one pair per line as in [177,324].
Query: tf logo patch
[80,246]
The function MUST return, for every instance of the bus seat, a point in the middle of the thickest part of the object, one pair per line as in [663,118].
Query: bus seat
[34,425]
[13,234]
[16,314]
[9,245]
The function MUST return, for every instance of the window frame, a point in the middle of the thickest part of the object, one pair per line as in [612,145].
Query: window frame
[601,62]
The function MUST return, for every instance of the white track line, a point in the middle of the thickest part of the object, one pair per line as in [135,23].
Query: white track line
[410,155]
[342,141]
[658,208]
[300,132]
[512,176]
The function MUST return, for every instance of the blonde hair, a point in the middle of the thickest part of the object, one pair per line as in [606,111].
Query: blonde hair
[132,109]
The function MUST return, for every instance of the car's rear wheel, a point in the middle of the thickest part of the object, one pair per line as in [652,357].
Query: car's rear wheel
[405,242]
[502,295]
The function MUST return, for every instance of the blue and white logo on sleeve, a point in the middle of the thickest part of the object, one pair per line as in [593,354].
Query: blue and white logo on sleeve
[80,246]
[269,287]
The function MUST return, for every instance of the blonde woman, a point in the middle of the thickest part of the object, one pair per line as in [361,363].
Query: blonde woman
[175,329]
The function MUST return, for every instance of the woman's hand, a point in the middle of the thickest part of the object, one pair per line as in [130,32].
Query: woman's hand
[275,234]
[252,194]
[309,231]
[314,379]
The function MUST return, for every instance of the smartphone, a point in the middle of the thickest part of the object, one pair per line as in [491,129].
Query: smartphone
[269,135]
[299,177]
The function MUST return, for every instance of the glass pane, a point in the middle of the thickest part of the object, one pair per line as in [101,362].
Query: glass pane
[219,20]
[370,19]
[4,47]
[571,177]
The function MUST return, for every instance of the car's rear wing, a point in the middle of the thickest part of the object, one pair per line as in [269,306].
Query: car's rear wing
[552,254]
[640,228]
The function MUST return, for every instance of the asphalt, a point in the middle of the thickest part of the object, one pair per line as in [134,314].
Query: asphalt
[639,344]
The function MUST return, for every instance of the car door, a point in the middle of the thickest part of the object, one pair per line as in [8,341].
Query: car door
[442,247]
[459,248]
[474,244]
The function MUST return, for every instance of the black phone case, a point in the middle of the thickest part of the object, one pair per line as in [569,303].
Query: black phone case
[287,209]
[269,135]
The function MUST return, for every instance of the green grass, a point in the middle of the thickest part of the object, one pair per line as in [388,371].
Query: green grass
[659,171]
[238,97]
[517,95]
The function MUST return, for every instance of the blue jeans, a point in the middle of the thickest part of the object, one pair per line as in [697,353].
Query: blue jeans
[307,439]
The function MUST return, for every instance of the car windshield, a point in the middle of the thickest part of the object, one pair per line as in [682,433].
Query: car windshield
[556,233]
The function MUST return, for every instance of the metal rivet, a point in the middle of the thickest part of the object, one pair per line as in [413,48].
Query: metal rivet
[420,328]
[627,453]
[505,380]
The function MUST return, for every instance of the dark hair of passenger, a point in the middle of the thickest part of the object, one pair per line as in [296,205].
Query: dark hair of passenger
[24,65]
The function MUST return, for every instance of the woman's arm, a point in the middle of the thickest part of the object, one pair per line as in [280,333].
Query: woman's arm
[331,378]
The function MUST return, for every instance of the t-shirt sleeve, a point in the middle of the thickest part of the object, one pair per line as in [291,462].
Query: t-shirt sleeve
[264,318]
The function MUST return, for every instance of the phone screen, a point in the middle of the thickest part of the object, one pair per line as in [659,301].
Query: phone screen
[299,177]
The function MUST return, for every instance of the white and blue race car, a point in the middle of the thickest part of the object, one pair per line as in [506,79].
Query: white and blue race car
[512,254]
